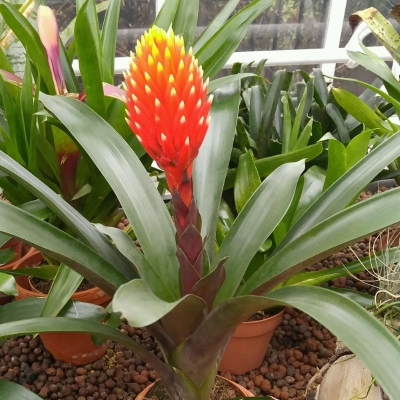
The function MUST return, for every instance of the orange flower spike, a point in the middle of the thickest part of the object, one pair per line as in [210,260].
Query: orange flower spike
[166,103]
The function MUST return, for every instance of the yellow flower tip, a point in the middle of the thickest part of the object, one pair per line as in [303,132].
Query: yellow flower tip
[160,68]
[198,105]
[133,83]
[187,141]
[147,89]
[137,125]
[134,98]
[192,91]
[163,137]
[182,105]
[182,120]
[167,54]
[138,112]
[190,52]
[171,79]
[210,98]
[154,51]
[201,121]
[131,55]
[124,85]
[190,77]
[150,60]
[124,74]
[182,52]
[139,138]
[133,67]
[157,102]
[147,76]
[127,121]
[208,120]
[173,92]
[181,66]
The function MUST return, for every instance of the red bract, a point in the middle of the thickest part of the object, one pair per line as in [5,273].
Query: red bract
[167,105]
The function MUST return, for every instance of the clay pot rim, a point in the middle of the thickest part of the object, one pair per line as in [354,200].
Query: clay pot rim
[265,319]
[241,389]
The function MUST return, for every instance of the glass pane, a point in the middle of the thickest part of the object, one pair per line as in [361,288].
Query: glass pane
[288,24]
[357,5]
[136,16]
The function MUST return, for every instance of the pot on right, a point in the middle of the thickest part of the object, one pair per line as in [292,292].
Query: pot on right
[248,345]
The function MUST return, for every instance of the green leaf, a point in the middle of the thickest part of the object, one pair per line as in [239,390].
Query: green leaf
[166,15]
[320,86]
[44,271]
[61,246]
[126,175]
[90,57]
[314,180]
[185,20]
[210,165]
[247,180]
[216,23]
[6,255]
[337,232]
[217,83]
[357,148]
[347,320]
[11,391]
[343,191]
[31,307]
[216,51]
[255,223]
[79,225]
[267,165]
[336,162]
[63,287]
[29,38]
[109,38]
[359,110]
[7,284]
[294,134]
[304,137]
[337,118]
[137,303]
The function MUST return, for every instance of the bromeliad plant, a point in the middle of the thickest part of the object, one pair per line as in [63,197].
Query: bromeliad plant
[188,293]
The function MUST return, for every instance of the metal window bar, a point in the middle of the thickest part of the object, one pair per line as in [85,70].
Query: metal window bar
[335,17]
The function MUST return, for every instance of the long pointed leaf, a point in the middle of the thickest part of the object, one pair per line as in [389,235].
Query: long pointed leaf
[343,191]
[59,245]
[79,225]
[126,175]
[211,164]
[324,239]
[255,223]
[11,391]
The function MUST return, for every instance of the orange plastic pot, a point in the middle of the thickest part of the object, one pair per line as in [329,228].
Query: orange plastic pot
[248,345]
[93,296]
[16,246]
[75,348]
[242,390]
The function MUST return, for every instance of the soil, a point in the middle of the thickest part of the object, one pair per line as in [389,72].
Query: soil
[300,346]
[264,314]
[44,285]
[221,390]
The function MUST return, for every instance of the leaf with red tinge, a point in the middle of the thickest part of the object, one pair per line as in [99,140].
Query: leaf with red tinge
[207,288]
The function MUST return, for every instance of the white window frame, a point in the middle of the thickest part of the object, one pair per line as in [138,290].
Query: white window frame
[327,56]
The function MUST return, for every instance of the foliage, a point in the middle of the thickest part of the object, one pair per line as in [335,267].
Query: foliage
[190,292]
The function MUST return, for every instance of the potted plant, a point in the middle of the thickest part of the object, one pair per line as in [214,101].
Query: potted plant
[190,294]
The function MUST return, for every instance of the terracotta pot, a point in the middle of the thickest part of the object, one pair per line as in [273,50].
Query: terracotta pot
[75,348]
[93,296]
[242,390]
[388,240]
[248,345]
[16,246]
